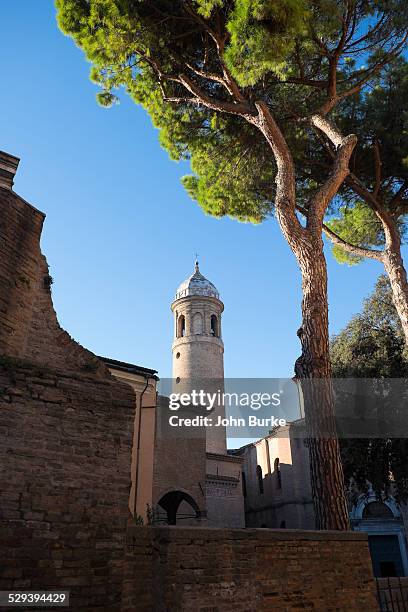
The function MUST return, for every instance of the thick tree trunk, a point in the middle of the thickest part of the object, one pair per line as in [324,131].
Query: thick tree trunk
[314,370]
[313,367]
[394,266]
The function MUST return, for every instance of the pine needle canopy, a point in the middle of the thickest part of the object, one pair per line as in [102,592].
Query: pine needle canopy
[199,66]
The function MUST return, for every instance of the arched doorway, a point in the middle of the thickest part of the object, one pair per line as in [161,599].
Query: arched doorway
[179,506]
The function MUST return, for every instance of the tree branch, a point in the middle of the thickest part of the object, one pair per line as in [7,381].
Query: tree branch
[285,198]
[334,96]
[305,81]
[333,134]
[335,55]
[240,108]
[374,69]
[211,76]
[324,50]
[347,246]
[377,168]
[181,100]
[386,218]
[396,200]
[330,187]
[228,80]
[351,248]
[225,80]
[369,34]
[328,128]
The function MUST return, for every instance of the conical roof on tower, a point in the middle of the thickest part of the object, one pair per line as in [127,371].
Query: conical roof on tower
[196,284]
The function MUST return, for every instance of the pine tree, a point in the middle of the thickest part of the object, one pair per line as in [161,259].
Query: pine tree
[231,84]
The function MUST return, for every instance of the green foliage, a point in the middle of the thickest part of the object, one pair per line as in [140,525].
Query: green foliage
[142,46]
[263,33]
[107,99]
[372,346]
[228,175]
[48,282]
[357,225]
[179,59]
[227,158]
[372,343]
[206,7]
[138,520]
[379,117]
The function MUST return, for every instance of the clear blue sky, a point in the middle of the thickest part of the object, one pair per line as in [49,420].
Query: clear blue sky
[121,234]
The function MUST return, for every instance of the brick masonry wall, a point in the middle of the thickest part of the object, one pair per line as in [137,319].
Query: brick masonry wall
[198,570]
[28,324]
[66,428]
[64,484]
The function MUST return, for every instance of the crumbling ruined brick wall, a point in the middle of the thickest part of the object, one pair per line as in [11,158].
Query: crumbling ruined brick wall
[66,431]
[193,569]
[28,324]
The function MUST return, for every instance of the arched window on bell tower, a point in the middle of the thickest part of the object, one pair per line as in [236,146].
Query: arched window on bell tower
[214,326]
[181,326]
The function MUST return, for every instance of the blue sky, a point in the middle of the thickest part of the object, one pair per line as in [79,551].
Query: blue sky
[121,233]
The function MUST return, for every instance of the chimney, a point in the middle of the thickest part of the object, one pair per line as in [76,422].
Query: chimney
[8,168]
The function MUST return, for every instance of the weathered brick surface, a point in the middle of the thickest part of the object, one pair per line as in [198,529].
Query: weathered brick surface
[28,324]
[179,464]
[66,434]
[176,569]
[64,483]
[66,431]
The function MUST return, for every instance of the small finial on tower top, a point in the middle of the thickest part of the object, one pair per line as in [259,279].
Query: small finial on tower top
[197,269]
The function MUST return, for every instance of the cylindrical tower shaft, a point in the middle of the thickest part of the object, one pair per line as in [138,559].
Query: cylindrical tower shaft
[198,350]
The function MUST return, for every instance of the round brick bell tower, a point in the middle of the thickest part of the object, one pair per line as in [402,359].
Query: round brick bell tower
[198,349]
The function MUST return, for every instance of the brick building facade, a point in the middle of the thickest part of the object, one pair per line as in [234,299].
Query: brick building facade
[66,428]
[76,440]
[278,494]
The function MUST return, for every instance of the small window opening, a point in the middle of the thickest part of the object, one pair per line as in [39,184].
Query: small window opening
[278,473]
[244,489]
[260,479]
[214,326]
[181,326]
